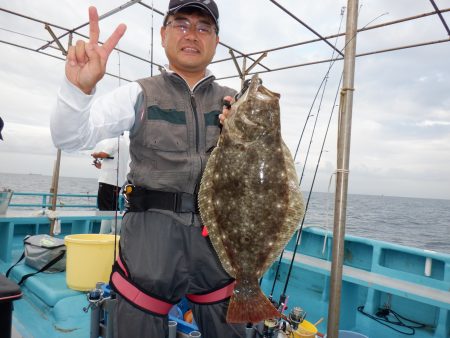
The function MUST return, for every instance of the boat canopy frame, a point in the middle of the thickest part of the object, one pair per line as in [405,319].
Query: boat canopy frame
[257,57]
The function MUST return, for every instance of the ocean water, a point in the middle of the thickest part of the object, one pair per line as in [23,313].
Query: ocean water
[417,222]
[41,184]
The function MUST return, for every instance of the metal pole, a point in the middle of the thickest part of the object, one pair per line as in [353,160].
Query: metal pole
[101,17]
[343,156]
[95,321]
[110,307]
[244,65]
[54,187]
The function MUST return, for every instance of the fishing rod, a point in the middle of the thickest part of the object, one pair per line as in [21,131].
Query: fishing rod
[314,129]
[307,118]
[324,83]
[307,203]
[116,189]
[304,166]
[297,315]
[324,80]
[310,191]
[151,45]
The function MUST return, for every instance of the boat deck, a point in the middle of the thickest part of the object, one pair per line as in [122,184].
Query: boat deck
[440,298]
[413,282]
[48,308]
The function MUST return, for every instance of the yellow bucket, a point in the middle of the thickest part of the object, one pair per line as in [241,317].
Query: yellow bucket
[305,330]
[89,260]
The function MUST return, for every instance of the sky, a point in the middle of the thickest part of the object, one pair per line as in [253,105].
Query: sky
[400,143]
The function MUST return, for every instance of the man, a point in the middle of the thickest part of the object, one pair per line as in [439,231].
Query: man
[1,127]
[111,158]
[173,120]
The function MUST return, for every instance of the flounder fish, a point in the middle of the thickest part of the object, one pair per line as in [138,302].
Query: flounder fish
[250,200]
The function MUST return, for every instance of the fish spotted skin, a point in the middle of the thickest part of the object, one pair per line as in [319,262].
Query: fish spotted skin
[250,200]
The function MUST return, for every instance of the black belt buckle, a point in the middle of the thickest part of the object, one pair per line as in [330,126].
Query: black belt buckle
[127,191]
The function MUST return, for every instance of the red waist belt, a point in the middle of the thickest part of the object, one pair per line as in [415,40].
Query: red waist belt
[124,286]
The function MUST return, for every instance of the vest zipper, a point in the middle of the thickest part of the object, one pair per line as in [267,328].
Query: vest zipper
[197,128]
[194,108]
[197,138]
[197,131]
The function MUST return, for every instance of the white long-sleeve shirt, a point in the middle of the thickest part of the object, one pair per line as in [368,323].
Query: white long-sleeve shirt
[114,170]
[79,122]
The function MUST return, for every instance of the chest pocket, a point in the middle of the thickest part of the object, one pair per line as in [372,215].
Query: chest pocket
[212,125]
[166,129]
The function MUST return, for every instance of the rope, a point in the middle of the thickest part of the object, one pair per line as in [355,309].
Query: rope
[382,317]
[344,171]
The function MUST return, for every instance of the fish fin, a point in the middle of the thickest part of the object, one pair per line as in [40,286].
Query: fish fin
[250,309]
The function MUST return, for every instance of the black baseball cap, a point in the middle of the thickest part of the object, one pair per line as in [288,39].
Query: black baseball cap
[1,127]
[209,6]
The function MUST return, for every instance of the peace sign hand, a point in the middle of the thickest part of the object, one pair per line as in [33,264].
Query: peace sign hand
[86,62]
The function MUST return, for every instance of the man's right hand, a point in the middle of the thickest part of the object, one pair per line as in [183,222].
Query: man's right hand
[86,62]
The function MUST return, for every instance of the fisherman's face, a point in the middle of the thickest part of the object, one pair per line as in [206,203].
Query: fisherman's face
[188,47]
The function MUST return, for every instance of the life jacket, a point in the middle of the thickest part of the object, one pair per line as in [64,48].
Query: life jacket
[174,132]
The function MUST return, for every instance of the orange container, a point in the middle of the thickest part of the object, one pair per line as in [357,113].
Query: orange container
[305,330]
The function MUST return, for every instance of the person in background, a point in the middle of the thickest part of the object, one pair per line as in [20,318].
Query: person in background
[173,119]
[111,158]
[1,128]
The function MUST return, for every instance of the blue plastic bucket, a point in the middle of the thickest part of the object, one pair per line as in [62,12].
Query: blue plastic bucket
[349,334]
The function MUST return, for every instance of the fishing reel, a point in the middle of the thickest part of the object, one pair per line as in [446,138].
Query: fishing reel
[271,325]
[96,162]
[281,305]
[296,317]
[95,296]
[269,329]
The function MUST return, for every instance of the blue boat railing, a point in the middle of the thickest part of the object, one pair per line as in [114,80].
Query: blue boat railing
[64,200]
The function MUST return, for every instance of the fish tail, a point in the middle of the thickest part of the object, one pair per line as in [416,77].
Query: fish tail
[249,305]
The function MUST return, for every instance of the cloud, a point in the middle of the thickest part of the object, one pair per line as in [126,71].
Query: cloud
[400,132]
[19,137]
[428,123]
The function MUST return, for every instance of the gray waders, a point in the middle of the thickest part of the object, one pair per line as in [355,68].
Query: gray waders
[166,258]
